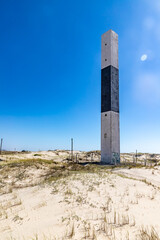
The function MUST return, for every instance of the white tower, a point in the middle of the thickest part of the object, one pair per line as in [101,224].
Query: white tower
[110,136]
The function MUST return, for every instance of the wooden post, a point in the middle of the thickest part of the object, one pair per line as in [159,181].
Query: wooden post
[136,156]
[72,149]
[1,146]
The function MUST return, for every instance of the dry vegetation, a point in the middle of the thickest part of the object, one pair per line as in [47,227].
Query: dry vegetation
[46,196]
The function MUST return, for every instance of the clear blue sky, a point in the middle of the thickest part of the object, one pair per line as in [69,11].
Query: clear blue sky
[50,61]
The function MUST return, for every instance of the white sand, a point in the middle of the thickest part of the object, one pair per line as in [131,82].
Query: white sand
[84,205]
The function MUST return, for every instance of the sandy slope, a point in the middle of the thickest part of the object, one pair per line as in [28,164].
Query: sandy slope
[81,156]
[150,175]
[83,205]
[48,155]
[56,155]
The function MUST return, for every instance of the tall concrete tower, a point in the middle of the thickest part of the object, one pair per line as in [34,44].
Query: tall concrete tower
[110,136]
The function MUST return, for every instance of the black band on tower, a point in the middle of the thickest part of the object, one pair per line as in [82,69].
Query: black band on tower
[110,89]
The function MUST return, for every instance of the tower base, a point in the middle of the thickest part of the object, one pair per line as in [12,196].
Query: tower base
[110,138]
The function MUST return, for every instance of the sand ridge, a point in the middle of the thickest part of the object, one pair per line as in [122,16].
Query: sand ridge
[49,200]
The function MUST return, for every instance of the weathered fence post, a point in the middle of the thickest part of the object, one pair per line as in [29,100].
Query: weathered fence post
[1,145]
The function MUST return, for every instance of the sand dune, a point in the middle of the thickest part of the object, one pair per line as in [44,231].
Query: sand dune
[41,199]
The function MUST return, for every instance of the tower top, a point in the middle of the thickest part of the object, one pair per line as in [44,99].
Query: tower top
[109,51]
[110,31]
